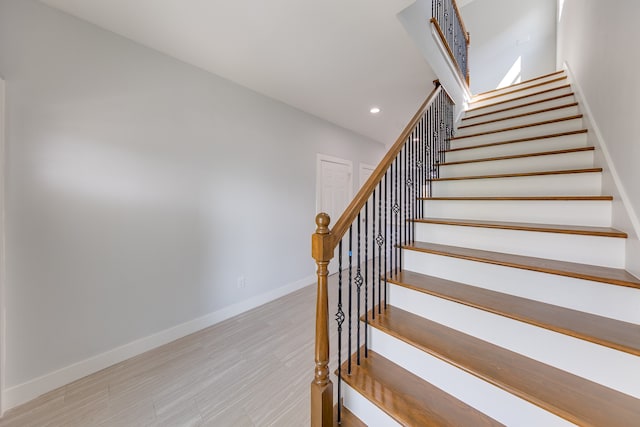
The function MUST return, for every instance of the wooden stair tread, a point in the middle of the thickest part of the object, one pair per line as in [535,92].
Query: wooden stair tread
[611,333]
[522,226]
[347,418]
[512,141]
[407,398]
[613,276]
[520,156]
[571,397]
[517,116]
[520,83]
[524,198]
[528,104]
[519,89]
[519,98]
[528,125]
[516,175]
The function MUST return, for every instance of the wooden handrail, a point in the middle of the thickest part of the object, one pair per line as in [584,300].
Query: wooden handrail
[349,215]
[323,244]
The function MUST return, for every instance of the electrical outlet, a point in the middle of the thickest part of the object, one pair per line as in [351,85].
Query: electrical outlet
[241,282]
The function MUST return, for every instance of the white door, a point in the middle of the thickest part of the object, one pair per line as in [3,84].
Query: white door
[334,193]
[335,183]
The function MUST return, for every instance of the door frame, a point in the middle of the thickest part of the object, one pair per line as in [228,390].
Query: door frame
[326,158]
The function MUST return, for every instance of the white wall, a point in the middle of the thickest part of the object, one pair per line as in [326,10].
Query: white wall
[504,32]
[596,41]
[138,190]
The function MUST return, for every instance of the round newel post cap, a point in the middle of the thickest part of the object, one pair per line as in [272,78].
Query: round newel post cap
[322,221]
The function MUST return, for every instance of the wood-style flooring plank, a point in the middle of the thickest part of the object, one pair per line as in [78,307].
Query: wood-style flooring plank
[571,397]
[611,333]
[407,398]
[613,276]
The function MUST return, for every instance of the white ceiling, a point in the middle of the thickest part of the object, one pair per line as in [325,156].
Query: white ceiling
[332,58]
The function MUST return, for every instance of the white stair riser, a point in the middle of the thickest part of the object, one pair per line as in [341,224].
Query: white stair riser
[483,396]
[511,95]
[575,184]
[616,302]
[613,368]
[564,161]
[516,148]
[519,86]
[586,213]
[365,410]
[517,102]
[518,121]
[527,107]
[527,132]
[594,250]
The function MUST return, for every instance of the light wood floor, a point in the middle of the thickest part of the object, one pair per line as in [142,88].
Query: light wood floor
[252,370]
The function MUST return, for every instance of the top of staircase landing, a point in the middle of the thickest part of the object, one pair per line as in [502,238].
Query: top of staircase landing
[519,83]
[542,92]
[510,90]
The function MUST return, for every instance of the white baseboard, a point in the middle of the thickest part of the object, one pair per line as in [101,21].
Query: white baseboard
[31,389]
[630,215]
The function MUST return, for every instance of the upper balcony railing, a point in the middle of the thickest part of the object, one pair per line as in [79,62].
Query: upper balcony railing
[448,22]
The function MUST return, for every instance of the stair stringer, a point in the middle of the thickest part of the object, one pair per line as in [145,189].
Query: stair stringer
[624,215]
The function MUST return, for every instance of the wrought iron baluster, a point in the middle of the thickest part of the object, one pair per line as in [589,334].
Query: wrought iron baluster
[373,255]
[423,160]
[410,200]
[386,240]
[396,216]
[358,280]
[366,277]
[405,199]
[380,242]
[389,205]
[414,185]
[340,320]
[350,293]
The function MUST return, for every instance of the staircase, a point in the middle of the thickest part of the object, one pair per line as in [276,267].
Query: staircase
[513,306]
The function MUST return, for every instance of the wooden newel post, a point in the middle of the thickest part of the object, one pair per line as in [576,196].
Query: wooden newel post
[321,387]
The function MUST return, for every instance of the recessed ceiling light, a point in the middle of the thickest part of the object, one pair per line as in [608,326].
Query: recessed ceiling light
[374,110]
